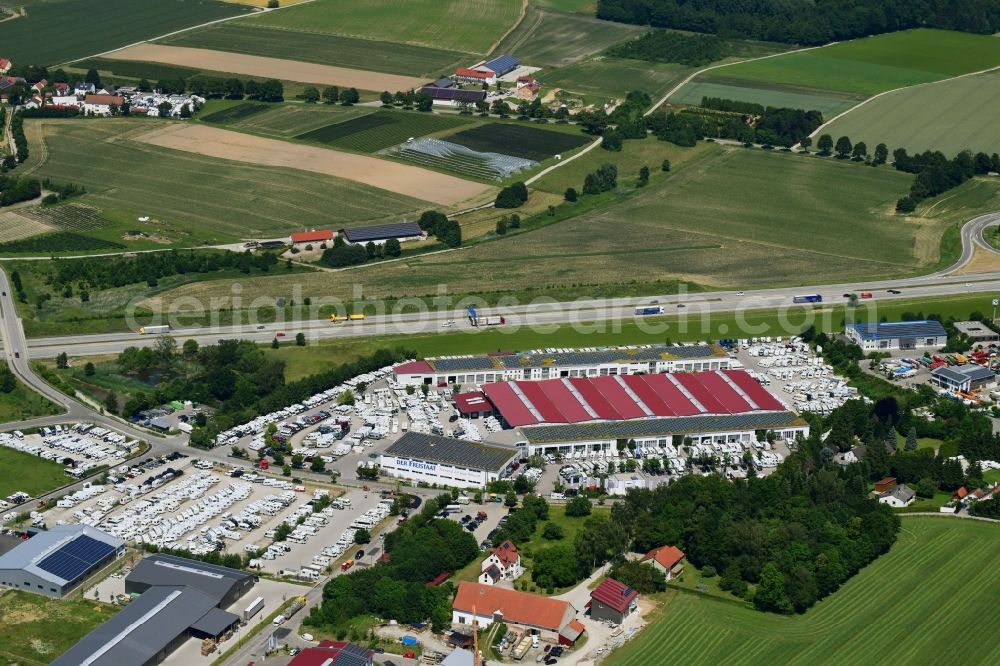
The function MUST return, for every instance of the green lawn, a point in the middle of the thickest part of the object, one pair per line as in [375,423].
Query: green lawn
[471,26]
[34,475]
[926,504]
[322,48]
[201,198]
[284,120]
[949,116]
[599,78]
[911,604]
[53,32]
[35,629]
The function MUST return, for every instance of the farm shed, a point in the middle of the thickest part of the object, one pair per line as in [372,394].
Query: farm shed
[313,236]
[380,233]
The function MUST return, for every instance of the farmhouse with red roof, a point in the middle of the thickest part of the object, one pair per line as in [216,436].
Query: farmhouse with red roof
[503,563]
[669,560]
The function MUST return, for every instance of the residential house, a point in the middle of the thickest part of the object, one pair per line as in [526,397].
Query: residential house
[61,88]
[84,88]
[503,563]
[900,496]
[5,65]
[543,616]
[960,494]
[669,560]
[100,105]
[40,86]
[613,601]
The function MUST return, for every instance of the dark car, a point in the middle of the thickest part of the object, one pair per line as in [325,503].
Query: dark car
[358,555]
[452,418]
[466,518]
[472,526]
[895,291]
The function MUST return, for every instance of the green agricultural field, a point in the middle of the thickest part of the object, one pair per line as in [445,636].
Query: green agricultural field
[64,30]
[382,129]
[587,7]
[599,78]
[35,476]
[199,198]
[548,39]
[712,221]
[772,95]
[873,64]
[280,120]
[35,629]
[322,48]
[937,575]
[949,116]
[133,69]
[525,141]
[471,26]
[234,113]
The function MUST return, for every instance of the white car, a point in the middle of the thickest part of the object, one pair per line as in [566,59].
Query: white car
[279,620]
[740,293]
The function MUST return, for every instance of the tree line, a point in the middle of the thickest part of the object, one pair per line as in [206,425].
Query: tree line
[344,254]
[807,23]
[418,551]
[726,119]
[664,46]
[151,267]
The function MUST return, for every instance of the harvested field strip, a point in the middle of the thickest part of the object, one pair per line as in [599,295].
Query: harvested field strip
[15,225]
[398,178]
[348,52]
[223,61]
[793,98]
[234,113]
[290,120]
[70,217]
[530,143]
[382,129]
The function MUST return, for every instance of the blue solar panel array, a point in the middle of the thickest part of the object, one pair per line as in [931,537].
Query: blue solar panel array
[76,557]
[503,64]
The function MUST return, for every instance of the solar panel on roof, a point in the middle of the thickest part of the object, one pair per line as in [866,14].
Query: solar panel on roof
[70,561]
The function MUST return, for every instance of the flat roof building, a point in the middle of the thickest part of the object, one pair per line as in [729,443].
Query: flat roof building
[897,335]
[551,364]
[178,598]
[447,461]
[977,331]
[54,562]
[380,233]
[964,378]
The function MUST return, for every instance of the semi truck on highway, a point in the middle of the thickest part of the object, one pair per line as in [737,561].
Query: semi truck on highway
[338,318]
[648,310]
[477,320]
[253,608]
[153,330]
[807,298]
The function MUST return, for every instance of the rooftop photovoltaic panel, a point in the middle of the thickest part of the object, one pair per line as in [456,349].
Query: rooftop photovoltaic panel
[450,451]
[462,364]
[381,231]
[70,561]
[659,427]
[624,356]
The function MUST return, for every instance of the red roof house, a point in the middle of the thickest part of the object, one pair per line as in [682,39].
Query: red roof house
[960,494]
[667,559]
[613,600]
[503,563]
[334,653]
[312,236]
[4,65]
[477,74]
[523,609]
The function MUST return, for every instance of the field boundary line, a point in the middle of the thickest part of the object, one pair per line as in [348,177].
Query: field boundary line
[686,81]
[596,142]
[517,23]
[193,27]
[895,90]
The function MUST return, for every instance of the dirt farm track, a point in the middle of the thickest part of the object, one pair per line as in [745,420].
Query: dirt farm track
[276,68]
[402,179]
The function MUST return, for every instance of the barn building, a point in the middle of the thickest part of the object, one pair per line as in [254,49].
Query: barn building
[54,562]
[380,233]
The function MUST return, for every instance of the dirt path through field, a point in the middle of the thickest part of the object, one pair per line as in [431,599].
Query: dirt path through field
[399,178]
[288,70]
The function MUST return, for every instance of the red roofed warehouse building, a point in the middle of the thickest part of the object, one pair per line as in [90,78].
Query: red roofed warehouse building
[537,614]
[312,236]
[669,560]
[613,601]
[334,653]
[472,405]
[504,563]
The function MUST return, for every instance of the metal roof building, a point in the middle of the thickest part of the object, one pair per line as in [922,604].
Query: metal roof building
[502,64]
[964,378]
[379,233]
[897,334]
[178,598]
[53,562]
[549,364]
[446,460]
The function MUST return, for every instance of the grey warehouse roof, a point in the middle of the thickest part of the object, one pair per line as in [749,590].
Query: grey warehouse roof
[888,330]
[962,373]
[63,542]
[215,581]
[662,427]
[648,354]
[382,232]
[450,451]
[140,630]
